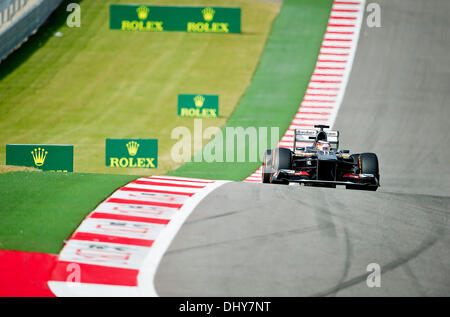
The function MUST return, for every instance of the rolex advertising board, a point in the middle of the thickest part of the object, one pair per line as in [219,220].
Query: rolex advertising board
[201,106]
[175,18]
[141,153]
[42,156]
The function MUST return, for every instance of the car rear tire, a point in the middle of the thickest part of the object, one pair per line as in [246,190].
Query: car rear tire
[267,168]
[367,164]
[282,159]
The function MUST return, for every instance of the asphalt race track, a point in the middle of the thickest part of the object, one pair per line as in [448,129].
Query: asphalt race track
[397,99]
[273,240]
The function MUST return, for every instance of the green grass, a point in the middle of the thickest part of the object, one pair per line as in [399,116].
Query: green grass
[39,210]
[278,84]
[94,83]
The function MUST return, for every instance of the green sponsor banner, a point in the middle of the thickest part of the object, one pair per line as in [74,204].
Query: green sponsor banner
[45,157]
[142,153]
[204,106]
[174,18]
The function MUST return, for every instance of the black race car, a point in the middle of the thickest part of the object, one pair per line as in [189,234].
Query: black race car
[316,161]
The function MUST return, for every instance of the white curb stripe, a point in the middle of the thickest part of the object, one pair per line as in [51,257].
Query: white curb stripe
[130,225]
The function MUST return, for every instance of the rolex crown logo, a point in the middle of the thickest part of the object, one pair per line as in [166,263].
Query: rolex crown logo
[208,14]
[132,147]
[142,12]
[39,156]
[199,101]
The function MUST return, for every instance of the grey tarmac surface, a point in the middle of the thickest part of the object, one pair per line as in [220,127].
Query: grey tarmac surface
[273,240]
[397,102]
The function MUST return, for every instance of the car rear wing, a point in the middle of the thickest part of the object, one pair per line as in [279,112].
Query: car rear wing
[306,137]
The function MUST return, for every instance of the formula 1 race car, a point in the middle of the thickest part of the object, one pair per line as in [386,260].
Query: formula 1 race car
[316,161]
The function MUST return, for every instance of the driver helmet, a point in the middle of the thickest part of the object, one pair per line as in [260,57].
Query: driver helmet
[322,146]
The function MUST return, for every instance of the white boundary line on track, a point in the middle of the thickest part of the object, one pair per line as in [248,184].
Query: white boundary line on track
[147,272]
